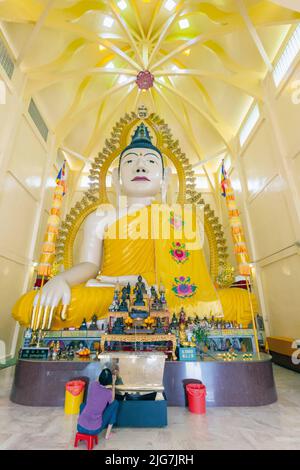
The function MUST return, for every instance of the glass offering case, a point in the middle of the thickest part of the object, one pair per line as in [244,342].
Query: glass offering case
[135,371]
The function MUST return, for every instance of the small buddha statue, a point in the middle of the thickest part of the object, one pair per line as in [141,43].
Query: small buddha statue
[156,304]
[70,352]
[228,345]
[174,321]
[114,306]
[159,327]
[123,305]
[153,292]
[56,351]
[128,290]
[183,340]
[139,300]
[93,326]
[118,327]
[140,285]
[182,316]
[163,299]
[162,292]
[83,325]
[236,344]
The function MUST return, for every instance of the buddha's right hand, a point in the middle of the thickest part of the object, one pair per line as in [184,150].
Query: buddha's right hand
[54,291]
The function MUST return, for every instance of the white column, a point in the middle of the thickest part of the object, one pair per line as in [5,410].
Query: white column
[251,236]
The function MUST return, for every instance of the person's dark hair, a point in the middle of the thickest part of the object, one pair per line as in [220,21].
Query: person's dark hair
[105,378]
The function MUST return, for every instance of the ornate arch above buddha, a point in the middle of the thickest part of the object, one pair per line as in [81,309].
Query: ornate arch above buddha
[97,192]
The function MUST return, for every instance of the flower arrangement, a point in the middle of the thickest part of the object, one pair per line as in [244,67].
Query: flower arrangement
[149,322]
[200,337]
[128,322]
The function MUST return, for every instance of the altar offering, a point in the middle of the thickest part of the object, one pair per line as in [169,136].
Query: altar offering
[139,322]
[84,352]
[139,377]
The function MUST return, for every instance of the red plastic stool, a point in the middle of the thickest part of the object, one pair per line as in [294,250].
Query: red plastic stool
[89,438]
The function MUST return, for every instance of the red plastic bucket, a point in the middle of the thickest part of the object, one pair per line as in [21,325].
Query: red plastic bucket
[196,394]
[75,387]
[74,396]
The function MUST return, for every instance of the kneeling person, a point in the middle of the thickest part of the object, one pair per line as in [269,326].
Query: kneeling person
[100,410]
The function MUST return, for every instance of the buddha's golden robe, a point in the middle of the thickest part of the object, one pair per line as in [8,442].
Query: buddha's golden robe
[179,264]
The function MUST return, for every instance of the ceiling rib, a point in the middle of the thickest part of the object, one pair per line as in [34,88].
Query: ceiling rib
[67,124]
[37,27]
[196,146]
[156,11]
[178,50]
[127,31]
[138,19]
[98,131]
[149,39]
[179,7]
[163,33]
[253,33]
[250,86]
[188,130]
[225,135]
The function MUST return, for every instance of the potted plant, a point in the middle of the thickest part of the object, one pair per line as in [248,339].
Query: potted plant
[200,336]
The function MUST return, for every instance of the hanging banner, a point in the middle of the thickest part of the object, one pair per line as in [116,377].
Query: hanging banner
[48,249]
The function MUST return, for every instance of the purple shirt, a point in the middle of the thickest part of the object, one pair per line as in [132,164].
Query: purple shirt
[97,400]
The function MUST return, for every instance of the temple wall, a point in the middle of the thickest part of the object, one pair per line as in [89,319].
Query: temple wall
[268,169]
[27,172]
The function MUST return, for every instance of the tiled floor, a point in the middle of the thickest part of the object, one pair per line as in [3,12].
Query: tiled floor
[275,426]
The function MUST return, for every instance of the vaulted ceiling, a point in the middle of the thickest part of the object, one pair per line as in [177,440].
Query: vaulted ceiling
[208,59]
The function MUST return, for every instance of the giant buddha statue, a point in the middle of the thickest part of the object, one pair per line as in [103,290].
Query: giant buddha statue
[121,243]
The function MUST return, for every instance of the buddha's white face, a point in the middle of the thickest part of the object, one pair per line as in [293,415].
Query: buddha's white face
[141,172]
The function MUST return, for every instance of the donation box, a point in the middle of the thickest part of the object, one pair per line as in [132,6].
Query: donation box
[139,387]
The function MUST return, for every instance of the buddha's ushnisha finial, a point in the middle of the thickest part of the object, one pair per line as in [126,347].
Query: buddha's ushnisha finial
[141,139]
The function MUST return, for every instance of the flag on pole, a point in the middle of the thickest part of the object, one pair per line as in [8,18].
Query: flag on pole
[223,180]
[61,178]
[48,249]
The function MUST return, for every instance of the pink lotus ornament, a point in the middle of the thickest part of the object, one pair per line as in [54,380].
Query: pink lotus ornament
[179,253]
[183,288]
[176,221]
[144,80]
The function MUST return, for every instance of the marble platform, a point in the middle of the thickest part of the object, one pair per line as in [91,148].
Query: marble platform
[275,426]
[236,383]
